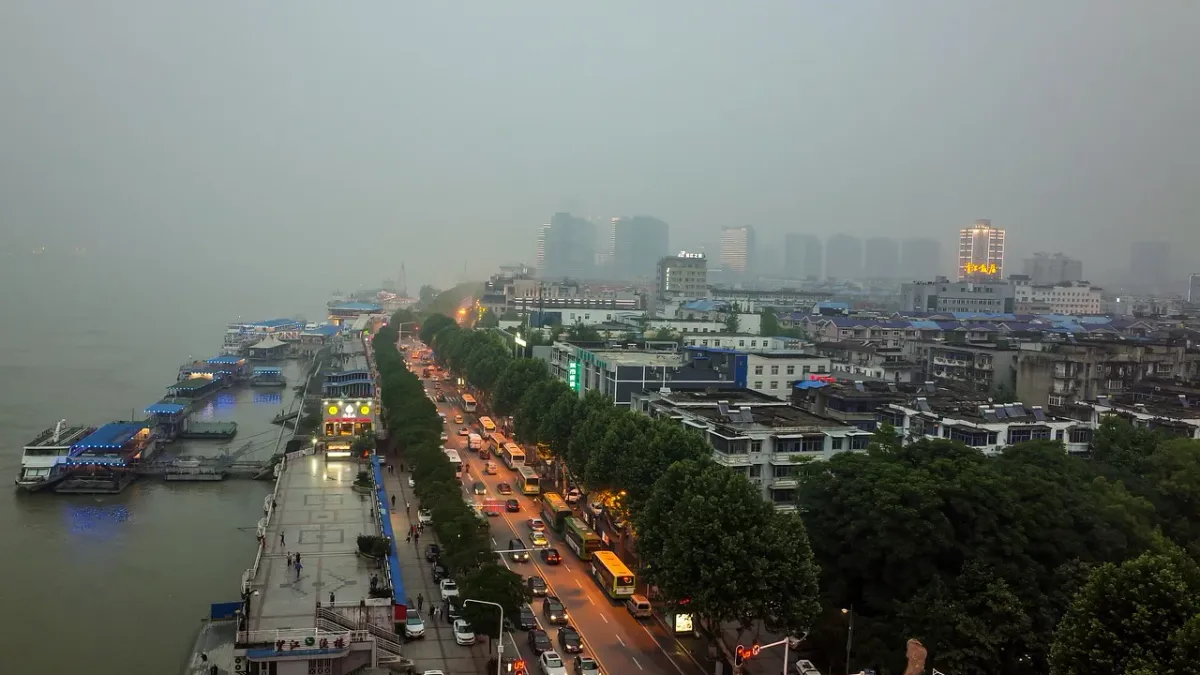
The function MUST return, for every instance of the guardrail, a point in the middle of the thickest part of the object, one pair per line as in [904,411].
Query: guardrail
[254,637]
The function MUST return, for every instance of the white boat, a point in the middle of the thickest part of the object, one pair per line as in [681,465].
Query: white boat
[44,463]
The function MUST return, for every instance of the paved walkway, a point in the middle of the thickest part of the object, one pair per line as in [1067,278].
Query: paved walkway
[437,650]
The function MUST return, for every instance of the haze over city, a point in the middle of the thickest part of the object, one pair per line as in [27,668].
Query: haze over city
[261,132]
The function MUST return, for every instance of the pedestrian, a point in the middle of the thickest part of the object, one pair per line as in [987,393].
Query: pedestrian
[297,557]
[289,558]
[407,508]
[298,568]
[408,538]
[417,539]
[393,501]
[281,540]
[420,601]
[331,597]
[272,504]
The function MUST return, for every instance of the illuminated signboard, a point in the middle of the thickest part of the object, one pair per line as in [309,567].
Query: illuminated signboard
[979,268]
[573,375]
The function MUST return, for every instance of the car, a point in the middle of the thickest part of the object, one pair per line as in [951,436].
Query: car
[453,611]
[448,589]
[537,585]
[414,626]
[433,553]
[538,539]
[462,431]
[554,610]
[439,572]
[552,664]
[433,672]
[514,551]
[573,496]
[568,640]
[504,489]
[539,641]
[586,665]
[536,524]
[411,483]
[464,634]
[479,488]
[525,618]
[551,556]
[444,436]
[424,516]
[441,398]
[491,469]
[512,506]
[458,419]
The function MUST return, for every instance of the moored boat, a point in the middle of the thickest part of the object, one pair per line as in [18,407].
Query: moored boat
[44,463]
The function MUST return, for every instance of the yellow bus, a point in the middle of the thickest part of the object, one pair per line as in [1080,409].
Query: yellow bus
[613,576]
[488,425]
[528,481]
[512,455]
[581,539]
[555,511]
[468,403]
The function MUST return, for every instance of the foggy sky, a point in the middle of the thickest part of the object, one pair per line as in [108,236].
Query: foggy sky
[443,133]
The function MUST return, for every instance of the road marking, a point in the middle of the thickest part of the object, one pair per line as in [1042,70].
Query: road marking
[494,542]
[602,616]
[636,663]
[568,568]
[577,583]
[666,653]
[620,640]
[591,600]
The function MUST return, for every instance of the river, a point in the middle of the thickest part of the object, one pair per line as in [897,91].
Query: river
[118,584]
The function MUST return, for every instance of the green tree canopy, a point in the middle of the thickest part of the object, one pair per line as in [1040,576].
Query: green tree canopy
[518,376]
[492,583]
[426,295]
[768,322]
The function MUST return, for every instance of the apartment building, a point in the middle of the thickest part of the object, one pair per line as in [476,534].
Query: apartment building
[769,372]
[1066,297]
[1057,373]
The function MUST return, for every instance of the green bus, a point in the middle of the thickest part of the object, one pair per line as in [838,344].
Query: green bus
[554,511]
[581,539]
[613,576]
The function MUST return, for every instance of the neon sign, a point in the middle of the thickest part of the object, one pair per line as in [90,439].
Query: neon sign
[979,268]
[821,378]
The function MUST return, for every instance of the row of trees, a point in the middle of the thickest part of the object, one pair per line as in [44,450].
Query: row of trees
[1028,561]
[414,429]
[704,534]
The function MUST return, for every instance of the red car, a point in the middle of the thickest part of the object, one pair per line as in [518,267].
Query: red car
[551,556]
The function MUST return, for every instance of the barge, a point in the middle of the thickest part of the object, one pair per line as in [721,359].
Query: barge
[106,461]
[268,377]
[44,463]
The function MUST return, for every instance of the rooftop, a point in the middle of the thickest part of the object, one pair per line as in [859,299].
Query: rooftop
[356,307]
[161,408]
[775,417]
[66,436]
[225,360]
[269,343]
[191,384]
[324,330]
[275,323]
[732,396]
[111,436]
[631,357]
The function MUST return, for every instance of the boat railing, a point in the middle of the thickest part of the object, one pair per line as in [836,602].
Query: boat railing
[256,637]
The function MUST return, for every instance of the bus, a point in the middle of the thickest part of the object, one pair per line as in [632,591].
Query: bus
[488,425]
[528,481]
[474,442]
[555,511]
[512,455]
[613,576]
[455,461]
[468,403]
[581,539]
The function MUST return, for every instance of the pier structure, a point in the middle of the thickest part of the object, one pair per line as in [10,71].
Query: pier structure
[194,388]
[349,401]
[106,461]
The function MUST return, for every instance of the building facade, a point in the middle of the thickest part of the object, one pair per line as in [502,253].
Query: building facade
[981,252]
[943,295]
[569,248]
[620,373]
[769,372]
[803,256]
[1047,269]
[638,243]
[1065,297]
[684,275]
[737,249]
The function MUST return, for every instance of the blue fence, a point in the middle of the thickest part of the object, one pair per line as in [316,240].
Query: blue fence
[385,522]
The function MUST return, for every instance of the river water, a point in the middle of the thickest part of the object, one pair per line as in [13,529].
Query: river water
[117,584]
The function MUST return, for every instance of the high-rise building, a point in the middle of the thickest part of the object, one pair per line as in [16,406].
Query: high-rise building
[843,257]
[638,243]
[737,249]
[570,248]
[1149,265]
[920,258]
[981,252]
[541,248]
[684,275]
[1046,269]
[882,258]
[802,256]
[1194,289]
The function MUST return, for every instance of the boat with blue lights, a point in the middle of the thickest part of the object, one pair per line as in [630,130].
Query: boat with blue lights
[107,460]
[268,377]
[44,462]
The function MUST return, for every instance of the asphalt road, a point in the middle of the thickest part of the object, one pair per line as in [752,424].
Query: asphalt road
[620,643]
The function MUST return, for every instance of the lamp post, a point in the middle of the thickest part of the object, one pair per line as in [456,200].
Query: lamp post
[400,328]
[499,634]
[849,613]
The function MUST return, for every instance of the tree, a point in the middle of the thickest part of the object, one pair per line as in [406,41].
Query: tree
[536,402]
[594,414]
[493,583]
[732,324]
[1132,617]
[518,376]
[434,324]
[1172,475]
[488,319]
[559,421]
[578,332]
[426,295]
[614,462]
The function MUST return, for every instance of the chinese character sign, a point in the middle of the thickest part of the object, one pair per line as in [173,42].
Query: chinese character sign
[979,268]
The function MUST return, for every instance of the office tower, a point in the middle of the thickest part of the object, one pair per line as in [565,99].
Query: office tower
[802,256]
[1194,288]
[737,249]
[920,258]
[540,254]
[882,258]
[981,252]
[638,243]
[684,275]
[1044,269]
[570,248]
[843,257]
[1149,263]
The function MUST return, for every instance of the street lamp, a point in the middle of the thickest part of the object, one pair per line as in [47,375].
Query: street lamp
[499,634]
[400,328]
[849,613]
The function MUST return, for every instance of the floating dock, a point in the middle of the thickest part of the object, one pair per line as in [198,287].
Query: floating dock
[209,430]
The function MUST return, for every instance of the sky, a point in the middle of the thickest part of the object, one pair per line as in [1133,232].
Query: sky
[440,134]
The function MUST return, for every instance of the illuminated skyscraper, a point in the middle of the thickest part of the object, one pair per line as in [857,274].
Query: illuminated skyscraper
[541,248]
[737,249]
[981,252]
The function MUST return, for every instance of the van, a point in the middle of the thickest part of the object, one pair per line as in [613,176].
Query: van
[639,607]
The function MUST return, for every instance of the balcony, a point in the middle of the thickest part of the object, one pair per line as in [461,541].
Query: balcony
[785,483]
[946,361]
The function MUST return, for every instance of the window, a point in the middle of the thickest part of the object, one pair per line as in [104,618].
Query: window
[805,371]
[774,370]
[758,370]
[783,471]
[837,442]
[741,343]
[859,442]
[754,343]
[812,444]
[757,384]
[755,446]
[791,370]
[756,470]
[1080,435]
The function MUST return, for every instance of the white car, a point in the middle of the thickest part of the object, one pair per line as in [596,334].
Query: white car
[464,634]
[536,525]
[424,517]
[448,588]
[411,483]
[552,664]
[463,431]
[444,436]
[414,626]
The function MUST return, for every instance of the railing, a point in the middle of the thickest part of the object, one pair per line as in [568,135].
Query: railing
[254,637]
[386,639]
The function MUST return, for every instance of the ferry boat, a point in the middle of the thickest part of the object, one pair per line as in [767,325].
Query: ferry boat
[268,377]
[44,463]
[107,460]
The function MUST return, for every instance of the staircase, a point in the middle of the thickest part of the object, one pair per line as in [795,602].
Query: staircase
[388,643]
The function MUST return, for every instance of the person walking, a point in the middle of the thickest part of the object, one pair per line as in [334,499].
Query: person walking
[407,508]
[417,539]
[331,597]
[420,601]
[297,557]
[289,558]
[282,542]
[408,538]
[393,501]
[298,568]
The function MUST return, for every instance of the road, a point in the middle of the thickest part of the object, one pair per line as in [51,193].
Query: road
[620,643]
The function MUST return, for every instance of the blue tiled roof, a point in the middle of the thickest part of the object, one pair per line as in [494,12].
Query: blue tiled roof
[324,330]
[112,435]
[274,323]
[164,409]
[702,305]
[829,304]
